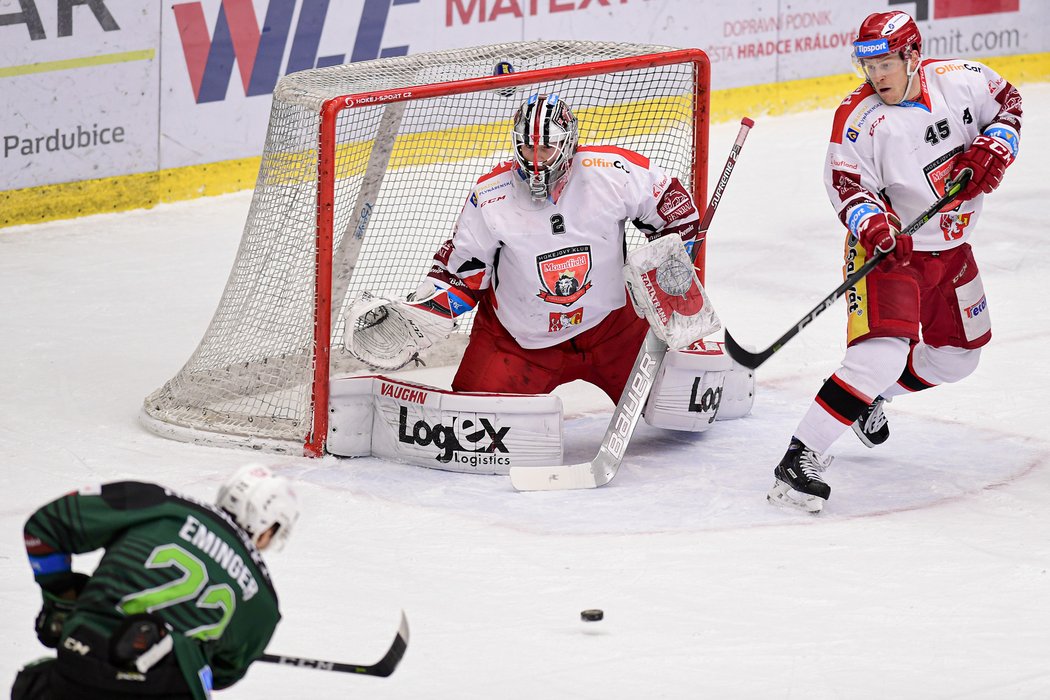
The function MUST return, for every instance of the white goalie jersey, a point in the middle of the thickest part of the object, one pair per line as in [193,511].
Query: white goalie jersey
[555,268]
[872,158]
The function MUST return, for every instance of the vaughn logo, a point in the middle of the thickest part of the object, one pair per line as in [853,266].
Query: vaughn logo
[403,393]
[484,439]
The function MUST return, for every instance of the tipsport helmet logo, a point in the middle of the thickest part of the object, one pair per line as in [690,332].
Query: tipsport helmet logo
[875,47]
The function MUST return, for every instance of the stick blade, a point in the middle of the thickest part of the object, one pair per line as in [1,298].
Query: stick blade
[748,359]
[559,478]
[585,475]
[385,666]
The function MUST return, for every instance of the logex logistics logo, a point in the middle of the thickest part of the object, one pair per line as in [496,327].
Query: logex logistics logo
[259,51]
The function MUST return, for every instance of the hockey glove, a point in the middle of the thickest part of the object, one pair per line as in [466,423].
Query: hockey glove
[988,157]
[881,232]
[60,597]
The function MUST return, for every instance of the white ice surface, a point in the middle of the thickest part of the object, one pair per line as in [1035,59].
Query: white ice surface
[925,577]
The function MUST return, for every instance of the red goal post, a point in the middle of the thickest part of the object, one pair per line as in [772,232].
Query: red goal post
[375,188]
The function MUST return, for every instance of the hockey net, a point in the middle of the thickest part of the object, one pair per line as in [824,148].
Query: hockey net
[364,171]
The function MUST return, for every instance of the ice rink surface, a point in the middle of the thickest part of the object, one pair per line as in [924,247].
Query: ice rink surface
[926,576]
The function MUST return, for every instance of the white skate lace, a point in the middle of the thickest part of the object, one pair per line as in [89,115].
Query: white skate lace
[813,464]
[877,419]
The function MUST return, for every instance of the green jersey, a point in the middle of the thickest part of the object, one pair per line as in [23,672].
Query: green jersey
[182,560]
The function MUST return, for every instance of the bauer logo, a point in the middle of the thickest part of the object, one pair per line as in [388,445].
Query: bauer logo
[627,414]
[257,43]
[466,441]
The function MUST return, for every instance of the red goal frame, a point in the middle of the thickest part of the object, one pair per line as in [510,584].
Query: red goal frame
[330,110]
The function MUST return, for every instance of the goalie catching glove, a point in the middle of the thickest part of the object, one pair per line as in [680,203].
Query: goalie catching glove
[388,334]
[665,291]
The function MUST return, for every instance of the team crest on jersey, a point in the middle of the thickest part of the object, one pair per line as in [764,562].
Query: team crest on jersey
[564,274]
[954,225]
[938,172]
[558,320]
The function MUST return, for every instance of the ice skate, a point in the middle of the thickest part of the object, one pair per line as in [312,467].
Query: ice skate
[872,427]
[798,481]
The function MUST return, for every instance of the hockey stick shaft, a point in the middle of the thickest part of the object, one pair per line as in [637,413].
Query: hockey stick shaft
[383,668]
[601,470]
[751,360]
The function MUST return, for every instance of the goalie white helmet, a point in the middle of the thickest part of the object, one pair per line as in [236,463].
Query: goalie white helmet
[545,139]
[257,499]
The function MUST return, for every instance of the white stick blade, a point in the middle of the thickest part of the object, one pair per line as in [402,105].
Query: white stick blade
[558,478]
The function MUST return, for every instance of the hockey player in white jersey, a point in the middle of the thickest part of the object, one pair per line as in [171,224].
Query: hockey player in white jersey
[897,139]
[539,249]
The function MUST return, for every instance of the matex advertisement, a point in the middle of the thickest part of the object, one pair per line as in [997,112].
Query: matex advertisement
[106,87]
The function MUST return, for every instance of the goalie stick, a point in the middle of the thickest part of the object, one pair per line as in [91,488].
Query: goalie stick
[751,360]
[601,470]
[383,668]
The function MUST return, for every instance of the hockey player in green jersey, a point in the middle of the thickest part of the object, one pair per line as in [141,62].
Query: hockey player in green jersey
[181,602]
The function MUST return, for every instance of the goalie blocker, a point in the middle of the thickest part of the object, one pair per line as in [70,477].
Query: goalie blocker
[488,433]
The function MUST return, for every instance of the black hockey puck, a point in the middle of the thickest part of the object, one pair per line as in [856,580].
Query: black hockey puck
[592,615]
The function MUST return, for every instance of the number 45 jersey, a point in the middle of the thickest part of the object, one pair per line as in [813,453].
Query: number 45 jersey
[900,157]
[182,560]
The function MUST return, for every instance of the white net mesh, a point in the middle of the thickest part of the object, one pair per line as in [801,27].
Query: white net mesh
[249,381]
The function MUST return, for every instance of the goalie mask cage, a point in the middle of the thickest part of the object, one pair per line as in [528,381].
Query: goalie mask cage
[365,169]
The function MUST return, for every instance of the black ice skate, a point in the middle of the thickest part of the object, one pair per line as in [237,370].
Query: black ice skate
[872,427]
[798,481]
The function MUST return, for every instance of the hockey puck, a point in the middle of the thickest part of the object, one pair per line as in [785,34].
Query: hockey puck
[592,615]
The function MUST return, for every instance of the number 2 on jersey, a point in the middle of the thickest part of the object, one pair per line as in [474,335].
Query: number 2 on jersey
[192,584]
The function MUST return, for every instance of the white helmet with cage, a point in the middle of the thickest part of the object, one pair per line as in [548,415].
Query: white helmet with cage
[544,122]
[257,499]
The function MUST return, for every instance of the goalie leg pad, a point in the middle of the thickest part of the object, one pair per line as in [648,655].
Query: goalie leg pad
[665,290]
[431,427]
[697,386]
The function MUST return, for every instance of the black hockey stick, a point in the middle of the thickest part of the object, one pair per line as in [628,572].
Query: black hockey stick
[601,470]
[751,360]
[383,668]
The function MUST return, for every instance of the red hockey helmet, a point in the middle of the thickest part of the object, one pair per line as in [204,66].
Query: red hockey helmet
[884,33]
